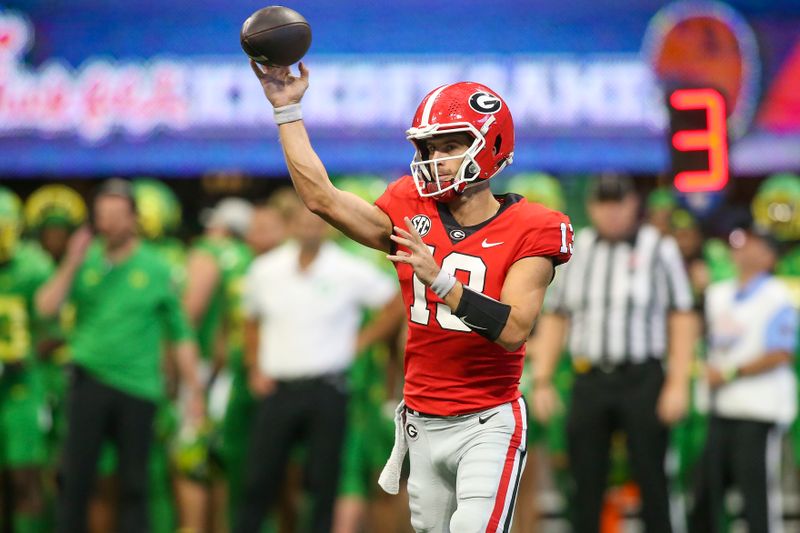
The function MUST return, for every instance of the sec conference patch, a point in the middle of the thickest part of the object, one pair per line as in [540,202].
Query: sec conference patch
[422,224]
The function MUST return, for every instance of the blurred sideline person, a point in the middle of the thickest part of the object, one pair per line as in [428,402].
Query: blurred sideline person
[752,332]
[215,270]
[660,205]
[303,303]
[626,302]
[266,231]
[123,296]
[23,446]
[689,238]
[52,213]
[158,217]
[472,296]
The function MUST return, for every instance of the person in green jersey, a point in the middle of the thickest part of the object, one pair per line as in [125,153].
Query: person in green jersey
[52,213]
[216,266]
[158,216]
[125,304]
[23,446]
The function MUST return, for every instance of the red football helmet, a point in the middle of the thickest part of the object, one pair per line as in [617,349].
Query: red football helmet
[461,107]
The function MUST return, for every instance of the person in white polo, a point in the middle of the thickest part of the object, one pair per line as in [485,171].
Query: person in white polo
[752,397]
[304,303]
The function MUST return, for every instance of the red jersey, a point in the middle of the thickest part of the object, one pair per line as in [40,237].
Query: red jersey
[449,370]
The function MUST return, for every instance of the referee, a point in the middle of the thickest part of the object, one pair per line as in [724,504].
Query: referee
[626,302]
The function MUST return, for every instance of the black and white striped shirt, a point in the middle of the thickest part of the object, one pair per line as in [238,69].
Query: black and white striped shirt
[618,295]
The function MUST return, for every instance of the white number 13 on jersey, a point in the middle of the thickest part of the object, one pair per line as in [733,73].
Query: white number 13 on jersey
[567,247]
[444,315]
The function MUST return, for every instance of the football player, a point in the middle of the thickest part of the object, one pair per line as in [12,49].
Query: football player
[23,441]
[52,213]
[473,269]
[216,267]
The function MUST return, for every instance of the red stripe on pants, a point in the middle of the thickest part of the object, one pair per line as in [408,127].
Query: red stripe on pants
[508,469]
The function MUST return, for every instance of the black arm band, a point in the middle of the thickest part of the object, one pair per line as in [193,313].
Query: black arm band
[484,315]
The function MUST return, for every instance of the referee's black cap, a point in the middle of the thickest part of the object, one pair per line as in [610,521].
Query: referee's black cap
[610,187]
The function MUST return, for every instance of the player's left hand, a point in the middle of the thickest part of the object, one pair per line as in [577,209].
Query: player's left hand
[673,402]
[418,255]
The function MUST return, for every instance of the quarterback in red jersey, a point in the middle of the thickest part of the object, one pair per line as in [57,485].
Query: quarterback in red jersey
[473,268]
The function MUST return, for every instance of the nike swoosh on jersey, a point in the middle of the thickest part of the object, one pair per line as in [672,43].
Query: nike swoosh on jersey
[484,419]
[470,326]
[487,244]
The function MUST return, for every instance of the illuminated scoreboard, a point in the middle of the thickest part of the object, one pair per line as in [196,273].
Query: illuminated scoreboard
[698,139]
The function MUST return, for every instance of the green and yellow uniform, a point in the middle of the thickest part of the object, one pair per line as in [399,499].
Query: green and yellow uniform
[224,316]
[223,313]
[23,417]
[55,207]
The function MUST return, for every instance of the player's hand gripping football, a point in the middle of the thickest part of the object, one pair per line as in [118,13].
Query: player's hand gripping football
[418,255]
[280,87]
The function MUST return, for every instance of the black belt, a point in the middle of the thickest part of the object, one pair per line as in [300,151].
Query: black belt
[422,415]
[428,415]
[331,377]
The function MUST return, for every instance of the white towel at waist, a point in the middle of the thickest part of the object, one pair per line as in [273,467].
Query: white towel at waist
[389,479]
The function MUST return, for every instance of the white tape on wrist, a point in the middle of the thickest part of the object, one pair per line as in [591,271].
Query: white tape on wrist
[443,284]
[287,113]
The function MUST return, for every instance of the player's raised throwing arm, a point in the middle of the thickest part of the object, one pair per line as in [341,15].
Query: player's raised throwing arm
[357,218]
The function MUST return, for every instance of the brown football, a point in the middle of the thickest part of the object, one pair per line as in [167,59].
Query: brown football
[276,35]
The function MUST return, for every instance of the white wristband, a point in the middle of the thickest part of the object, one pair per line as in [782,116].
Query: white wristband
[443,284]
[287,113]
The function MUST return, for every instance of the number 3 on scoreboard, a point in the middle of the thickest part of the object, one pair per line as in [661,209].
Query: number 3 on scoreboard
[474,266]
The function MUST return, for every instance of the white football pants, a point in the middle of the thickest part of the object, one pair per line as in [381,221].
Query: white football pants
[465,470]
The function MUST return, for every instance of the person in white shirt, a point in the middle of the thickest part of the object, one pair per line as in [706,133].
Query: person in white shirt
[751,390]
[304,303]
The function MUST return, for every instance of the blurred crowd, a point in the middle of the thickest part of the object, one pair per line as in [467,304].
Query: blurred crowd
[211,378]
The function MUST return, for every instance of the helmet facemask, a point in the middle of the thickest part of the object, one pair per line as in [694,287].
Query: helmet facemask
[425,170]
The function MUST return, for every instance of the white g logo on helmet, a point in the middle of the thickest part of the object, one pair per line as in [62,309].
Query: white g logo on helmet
[485,103]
